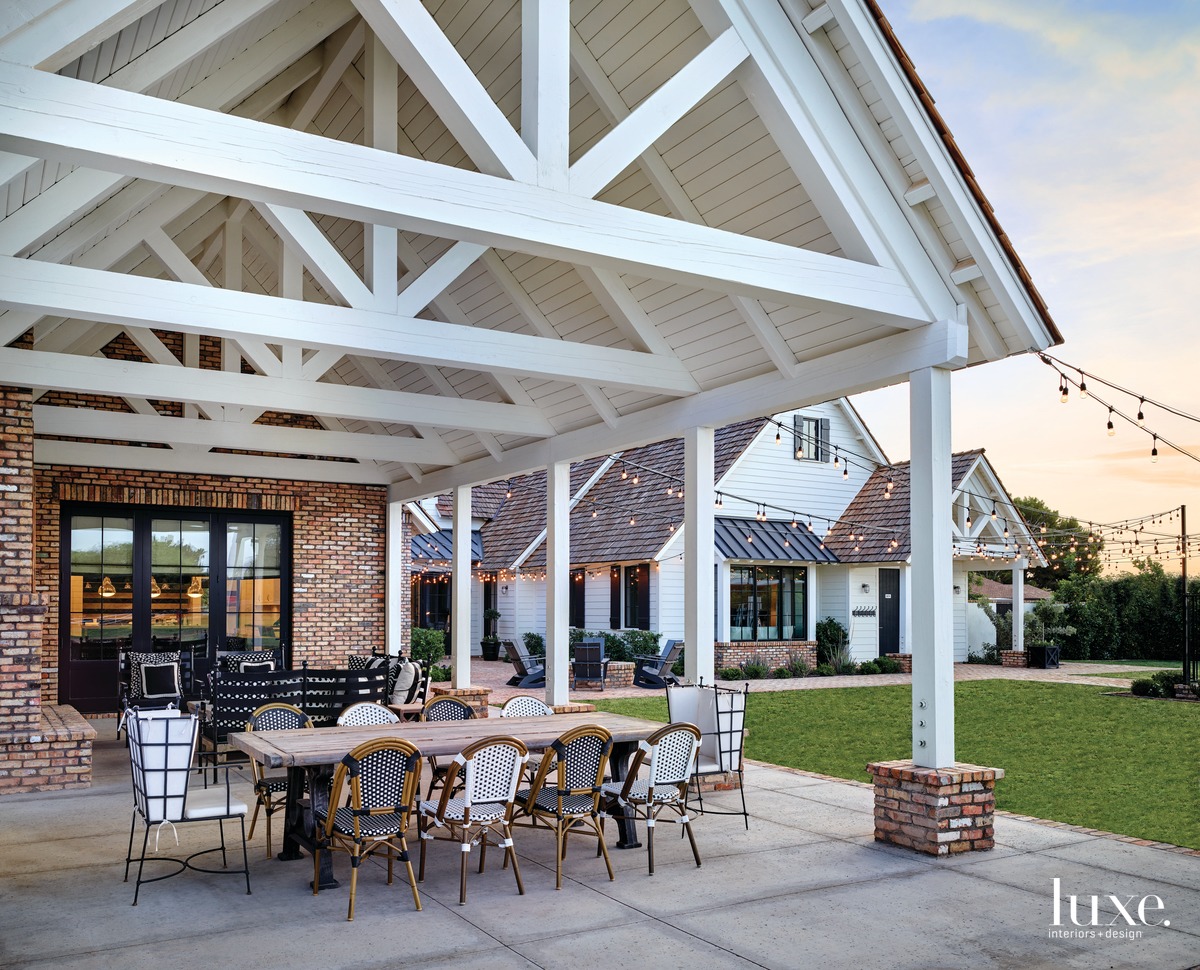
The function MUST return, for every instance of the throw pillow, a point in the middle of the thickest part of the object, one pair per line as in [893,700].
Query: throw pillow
[160,681]
[408,680]
[253,666]
[137,661]
[231,663]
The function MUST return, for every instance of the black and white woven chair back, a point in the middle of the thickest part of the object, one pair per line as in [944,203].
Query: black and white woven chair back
[366,714]
[493,772]
[673,758]
[582,761]
[279,717]
[161,747]
[447,709]
[381,779]
[524,705]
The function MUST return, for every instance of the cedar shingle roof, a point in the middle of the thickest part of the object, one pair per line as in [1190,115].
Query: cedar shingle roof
[607,536]
[1003,591]
[880,519]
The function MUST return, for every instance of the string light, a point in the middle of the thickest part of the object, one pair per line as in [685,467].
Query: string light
[1111,430]
[1154,450]
[1141,417]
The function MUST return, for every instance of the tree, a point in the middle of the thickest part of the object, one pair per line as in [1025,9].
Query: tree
[1070,549]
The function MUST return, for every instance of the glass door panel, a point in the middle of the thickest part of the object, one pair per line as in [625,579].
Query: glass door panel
[99,606]
[180,582]
[254,584]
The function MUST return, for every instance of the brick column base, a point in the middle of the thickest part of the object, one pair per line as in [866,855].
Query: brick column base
[903,659]
[476,697]
[1014,658]
[938,811]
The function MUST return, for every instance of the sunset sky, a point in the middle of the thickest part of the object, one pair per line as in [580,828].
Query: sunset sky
[1081,120]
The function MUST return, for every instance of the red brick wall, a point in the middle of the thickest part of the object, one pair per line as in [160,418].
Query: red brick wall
[774,653]
[338,548]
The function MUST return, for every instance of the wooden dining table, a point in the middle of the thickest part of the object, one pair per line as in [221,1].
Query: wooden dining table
[312,755]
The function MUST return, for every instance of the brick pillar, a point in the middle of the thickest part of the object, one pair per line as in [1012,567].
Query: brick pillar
[1014,658]
[938,811]
[21,610]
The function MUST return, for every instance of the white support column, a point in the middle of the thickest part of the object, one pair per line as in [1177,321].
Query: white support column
[460,589]
[379,112]
[698,626]
[558,579]
[932,570]
[1018,604]
[395,579]
[545,86]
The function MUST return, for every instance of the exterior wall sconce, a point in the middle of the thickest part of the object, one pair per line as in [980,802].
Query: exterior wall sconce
[866,587]
[957,590]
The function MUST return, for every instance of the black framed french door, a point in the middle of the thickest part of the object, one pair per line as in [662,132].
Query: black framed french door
[156,578]
[889,611]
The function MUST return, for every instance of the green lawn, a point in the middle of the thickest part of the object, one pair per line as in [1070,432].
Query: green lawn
[1127,765]
[1132,663]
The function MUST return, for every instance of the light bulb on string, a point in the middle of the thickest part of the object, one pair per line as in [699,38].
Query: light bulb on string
[1083,391]
[1141,417]
[837,459]
[1154,450]
[778,437]
[1064,391]
[846,473]
[1111,430]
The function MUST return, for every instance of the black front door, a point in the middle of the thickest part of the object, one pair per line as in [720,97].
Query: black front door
[149,579]
[889,611]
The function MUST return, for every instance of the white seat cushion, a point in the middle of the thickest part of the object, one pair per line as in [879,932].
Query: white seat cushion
[210,803]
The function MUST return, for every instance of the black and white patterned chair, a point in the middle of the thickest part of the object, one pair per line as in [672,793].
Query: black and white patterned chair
[383,777]
[487,774]
[149,681]
[270,789]
[671,756]
[443,709]
[365,714]
[162,746]
[565,795]
[525,705]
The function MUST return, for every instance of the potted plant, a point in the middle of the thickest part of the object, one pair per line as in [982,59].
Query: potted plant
[490,644]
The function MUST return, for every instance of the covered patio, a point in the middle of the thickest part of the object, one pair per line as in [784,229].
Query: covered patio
[806,885]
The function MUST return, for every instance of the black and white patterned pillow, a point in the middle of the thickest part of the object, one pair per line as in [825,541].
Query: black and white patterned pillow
[160,681]
[136,679]
[255,666]
[231,663]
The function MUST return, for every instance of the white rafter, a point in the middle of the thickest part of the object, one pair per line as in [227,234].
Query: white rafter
[173,142]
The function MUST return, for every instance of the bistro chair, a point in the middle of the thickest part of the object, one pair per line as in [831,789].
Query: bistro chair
[365,714]
[488,773]
[162,746]
[671,753]
[270,790]
[565,795]
[526,705]
[383,776]
[443,709]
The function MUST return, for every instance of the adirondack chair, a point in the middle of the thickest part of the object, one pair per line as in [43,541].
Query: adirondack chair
[529,672]
[590,665]
[654,670]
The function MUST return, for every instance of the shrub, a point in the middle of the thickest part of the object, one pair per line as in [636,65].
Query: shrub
[1166,680]
[635,643]
[824,670]
[730,673]
[755,668]
[438,674]
[796,664]
[989,655]
[535,643]
[832,639]
[888,665]
[781,673]
[1144,687]
[677,667]
[868,667]
[427,646]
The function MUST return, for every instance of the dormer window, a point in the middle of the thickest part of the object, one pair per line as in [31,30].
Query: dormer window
[811,438]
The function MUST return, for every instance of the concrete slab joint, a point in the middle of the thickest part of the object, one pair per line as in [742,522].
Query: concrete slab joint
[937,811]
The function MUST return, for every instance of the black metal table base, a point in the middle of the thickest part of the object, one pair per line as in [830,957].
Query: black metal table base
[299,828]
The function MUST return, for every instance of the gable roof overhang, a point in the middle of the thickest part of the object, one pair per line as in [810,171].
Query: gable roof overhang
[304,239]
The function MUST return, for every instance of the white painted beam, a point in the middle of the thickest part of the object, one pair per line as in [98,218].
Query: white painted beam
[86,423]
[97,295]
[460,587]
[546,90]
[558,580]
[396,578]
[870,365]
[61,117]
[324,261]
[439,72]
[98,375]
[204,463]
[699,628]
[380,260]
[651,119]
[59,32]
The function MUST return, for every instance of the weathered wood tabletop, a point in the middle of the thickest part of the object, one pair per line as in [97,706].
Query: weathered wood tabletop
[287,749]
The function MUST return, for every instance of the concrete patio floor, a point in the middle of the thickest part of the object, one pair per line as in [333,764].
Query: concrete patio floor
[806,886]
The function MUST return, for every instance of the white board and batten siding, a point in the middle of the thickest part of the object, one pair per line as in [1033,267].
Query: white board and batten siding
[864,629]
[833,594]
[962,584]
[770,472]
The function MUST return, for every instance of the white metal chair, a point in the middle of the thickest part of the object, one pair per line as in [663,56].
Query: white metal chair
[720,713]
[671,752]
[365,714]
[488,773]
[162,746]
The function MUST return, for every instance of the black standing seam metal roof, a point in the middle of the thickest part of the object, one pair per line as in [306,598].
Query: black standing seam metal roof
[440,545]
[770,540]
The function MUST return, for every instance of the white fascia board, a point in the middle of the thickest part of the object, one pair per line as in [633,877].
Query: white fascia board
[89,294]
[888,360]
[169,142]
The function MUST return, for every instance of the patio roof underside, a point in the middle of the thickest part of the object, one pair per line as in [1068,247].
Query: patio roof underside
[346,241]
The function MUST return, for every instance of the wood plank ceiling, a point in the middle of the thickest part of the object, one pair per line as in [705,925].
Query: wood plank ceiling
[429,243]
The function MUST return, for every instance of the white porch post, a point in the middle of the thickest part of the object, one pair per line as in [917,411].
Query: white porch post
[1018,604]
[395,580]
[558,579]
[932,570]
[460,590]
[698,626]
